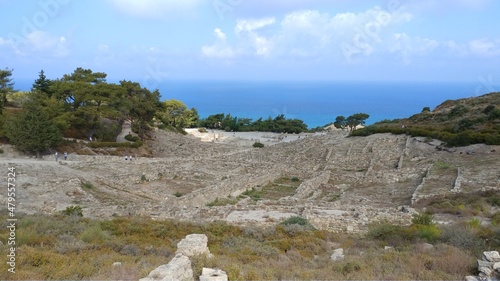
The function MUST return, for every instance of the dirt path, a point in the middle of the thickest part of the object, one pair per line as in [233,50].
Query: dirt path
[126,129]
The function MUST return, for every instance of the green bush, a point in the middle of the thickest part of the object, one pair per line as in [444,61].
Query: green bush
[258,145]
[296,220]
[87,185]
[429,233]
[295,179]
[73,211]
[423,219]
[136,144]
[387,232]
[495,219]
[131,138]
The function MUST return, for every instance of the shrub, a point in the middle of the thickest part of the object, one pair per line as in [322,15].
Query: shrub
[258,145]
[463,237]
[295,179]
[94,234]
[202,130]
[429,233]
[136,144]
[457,111]
[1,151]
[73,211]
[131,138]
[296,220]
[178,194]
[253,193]
[87,185]
[389,233]
[423,219]
[495,219]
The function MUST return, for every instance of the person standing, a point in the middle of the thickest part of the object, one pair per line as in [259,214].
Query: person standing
[65,155]
[57,156]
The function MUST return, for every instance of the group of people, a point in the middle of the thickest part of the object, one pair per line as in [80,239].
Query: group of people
[65,156]
[128,157]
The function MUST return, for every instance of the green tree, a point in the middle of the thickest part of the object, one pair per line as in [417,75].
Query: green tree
[144,105]
[340,122]
[6,86]
[174,112]
[356,119]
[42,85]
[32,130]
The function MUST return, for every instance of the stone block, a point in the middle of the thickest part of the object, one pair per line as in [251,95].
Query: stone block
[337,255]
[179,268]
[209,274]
[193,245]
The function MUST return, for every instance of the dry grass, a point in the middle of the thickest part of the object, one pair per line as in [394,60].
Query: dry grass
[62,248]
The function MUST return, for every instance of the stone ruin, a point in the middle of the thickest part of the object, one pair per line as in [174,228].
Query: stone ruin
[488,266]
[179,268]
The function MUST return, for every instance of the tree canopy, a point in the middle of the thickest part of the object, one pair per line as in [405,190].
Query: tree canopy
[350,122]
[6,86]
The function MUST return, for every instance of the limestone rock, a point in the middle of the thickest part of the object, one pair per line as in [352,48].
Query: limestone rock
[337,255]
[179,268]
[492,256]
[496,266]
[426,246]
[472,278]
[486,270]
[193,245]
[209,274]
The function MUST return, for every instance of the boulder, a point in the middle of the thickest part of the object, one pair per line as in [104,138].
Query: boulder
[179,268]
[492,256]
[472,278]
[193,245]
[337,255]
[496,266]
[209,274]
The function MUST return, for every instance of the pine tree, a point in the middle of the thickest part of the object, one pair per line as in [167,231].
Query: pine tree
[42,85]
[6,86]
[32,130]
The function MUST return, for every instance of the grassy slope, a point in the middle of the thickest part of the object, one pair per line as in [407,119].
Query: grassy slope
[61,247]
[456,122]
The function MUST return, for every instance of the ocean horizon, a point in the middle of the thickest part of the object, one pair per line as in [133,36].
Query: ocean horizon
[317,103]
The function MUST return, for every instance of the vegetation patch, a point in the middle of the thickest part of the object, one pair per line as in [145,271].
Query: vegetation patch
[457,123]
[223,202]
[75,248]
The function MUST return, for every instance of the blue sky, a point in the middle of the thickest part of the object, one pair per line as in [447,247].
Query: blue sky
[153,41]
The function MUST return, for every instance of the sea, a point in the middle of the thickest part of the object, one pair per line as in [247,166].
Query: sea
[317,103]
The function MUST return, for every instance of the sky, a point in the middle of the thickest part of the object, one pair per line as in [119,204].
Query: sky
[153,41]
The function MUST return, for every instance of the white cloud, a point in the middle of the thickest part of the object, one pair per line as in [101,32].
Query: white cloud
[485,47]
[38,43]
[220,35]
[153,8]
[249,31]
[409,47]
[219,49]
[253,25]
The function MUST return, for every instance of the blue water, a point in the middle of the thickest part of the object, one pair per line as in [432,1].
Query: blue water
[316,103]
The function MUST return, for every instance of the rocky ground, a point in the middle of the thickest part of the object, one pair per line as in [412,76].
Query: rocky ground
[338,183]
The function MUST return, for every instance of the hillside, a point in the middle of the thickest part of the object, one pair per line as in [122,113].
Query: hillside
[455,122]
